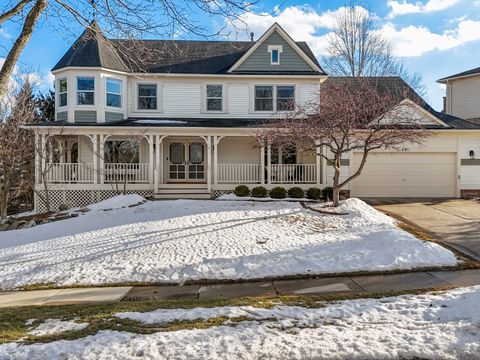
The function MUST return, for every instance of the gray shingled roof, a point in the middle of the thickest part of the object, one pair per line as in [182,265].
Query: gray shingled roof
[92,49]
[464,73]
[395,84]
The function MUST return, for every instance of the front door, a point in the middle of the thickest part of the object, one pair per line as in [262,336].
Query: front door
[186,161]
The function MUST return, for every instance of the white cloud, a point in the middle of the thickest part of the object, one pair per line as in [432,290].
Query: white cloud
[418,40]
[5,34]
[403,7]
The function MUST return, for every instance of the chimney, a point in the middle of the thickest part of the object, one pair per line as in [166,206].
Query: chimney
[444,105]
[251,36]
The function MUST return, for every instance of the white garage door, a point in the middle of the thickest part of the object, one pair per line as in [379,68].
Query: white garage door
[406,175]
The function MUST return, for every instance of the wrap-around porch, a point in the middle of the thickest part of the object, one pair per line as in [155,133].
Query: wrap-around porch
[172,163]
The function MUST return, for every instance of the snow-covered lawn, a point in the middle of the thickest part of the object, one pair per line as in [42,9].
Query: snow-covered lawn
[175,241]
[432,326]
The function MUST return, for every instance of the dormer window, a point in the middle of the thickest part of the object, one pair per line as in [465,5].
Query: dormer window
[114,92]
[275,51]
[85,90]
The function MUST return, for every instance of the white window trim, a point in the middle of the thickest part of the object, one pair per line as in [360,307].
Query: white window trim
[121,93]
[252,98]
[94,91]
[64,92]
[279,48]
[224,98]
[159,97]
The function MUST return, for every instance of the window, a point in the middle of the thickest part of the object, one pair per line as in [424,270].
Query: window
[275,57]
[114,92]
[62,92]
[85,90]
[275,51]
[263,98]
[214,97]
[147,96]
[285,98]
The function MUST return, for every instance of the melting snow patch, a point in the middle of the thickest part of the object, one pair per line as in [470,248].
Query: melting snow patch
[56,326]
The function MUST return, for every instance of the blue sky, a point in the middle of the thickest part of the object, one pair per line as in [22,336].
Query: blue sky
[433,37]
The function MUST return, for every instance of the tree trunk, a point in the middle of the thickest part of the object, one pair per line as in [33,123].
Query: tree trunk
[336,181]
[17,48]
[5,196]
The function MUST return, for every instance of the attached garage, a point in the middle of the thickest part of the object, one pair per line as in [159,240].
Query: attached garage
[396,174]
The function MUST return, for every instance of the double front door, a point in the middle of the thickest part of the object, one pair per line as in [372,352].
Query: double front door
[186,161]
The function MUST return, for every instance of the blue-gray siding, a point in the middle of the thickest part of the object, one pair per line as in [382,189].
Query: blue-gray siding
[290,60]
[85,116]
[113,116]
[62,116]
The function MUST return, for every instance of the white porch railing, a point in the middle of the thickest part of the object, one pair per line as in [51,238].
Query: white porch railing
[69,172]
[126,173]
[293,173]
[238,173]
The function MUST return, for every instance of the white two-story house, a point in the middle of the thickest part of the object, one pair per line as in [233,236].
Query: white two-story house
[187,125]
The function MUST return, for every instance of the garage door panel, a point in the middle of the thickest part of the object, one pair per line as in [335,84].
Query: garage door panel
[406,175]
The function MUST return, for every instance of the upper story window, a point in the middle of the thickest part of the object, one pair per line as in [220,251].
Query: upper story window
[62,92]
[214,98]
[275,51]
[285,98]
[263,98]
[114,92]
[147,96]
[274,98]
[85,90]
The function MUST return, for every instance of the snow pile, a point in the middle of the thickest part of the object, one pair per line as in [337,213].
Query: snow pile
[118,202]
[175,241]
[56,326]
[233,197]
[432,326]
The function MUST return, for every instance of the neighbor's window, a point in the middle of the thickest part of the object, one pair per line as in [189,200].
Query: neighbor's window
[85,90]
[114,92]
[62,92]
[263,98]
[285,98]
[214,97]
[122,151]
[147,96]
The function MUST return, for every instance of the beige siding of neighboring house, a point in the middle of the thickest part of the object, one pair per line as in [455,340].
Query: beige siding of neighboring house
[463,97]
[470,172]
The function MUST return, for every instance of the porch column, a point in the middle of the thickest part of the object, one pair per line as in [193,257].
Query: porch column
[101,157]
[318,163]
[43,155]
[61,145]
[324,167]
[209,164]
[216,140]
[269,163]
[150,159]
[262,163]
[37,159]
[95,155]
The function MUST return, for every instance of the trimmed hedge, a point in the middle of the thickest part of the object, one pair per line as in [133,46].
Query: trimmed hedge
[295,192]
[278,193]
[259,192]
[314,193]
[242,191]
[328,193]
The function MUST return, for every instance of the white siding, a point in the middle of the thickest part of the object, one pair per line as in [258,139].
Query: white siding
[238,95]
[463,97]
[238,150]
[85,154]
[470,174]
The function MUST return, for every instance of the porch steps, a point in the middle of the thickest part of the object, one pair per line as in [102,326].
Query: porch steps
[182,193]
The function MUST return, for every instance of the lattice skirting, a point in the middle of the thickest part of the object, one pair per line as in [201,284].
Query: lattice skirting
[79,198]
[218,193]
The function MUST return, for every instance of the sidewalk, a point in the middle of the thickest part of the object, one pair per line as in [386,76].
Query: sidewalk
[317,286]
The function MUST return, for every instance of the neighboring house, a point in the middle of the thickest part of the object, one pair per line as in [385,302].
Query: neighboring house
[186,125]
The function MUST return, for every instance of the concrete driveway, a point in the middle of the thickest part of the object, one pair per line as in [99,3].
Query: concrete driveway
[455,221]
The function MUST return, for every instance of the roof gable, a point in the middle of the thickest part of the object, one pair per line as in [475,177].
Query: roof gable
[294,57]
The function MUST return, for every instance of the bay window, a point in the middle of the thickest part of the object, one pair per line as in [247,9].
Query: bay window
[62,92]
[85,90]
[114,92]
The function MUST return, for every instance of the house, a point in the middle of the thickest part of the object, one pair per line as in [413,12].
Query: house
[181,119]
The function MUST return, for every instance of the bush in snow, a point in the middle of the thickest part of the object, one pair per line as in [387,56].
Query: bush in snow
[314,193]
[278,193]
[242,190]
[295,192]
[259,191]
[328,193]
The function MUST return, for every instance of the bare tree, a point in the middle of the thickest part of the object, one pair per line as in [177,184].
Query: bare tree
[355,116]
[127,19]
[16,144]
[357,47]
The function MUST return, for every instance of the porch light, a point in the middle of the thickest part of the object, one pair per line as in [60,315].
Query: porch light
[472,154]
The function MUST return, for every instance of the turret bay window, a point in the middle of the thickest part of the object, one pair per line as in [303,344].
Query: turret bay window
[85,90]
[263,98]
[214,97]
[114,92]
[147,96]
[62,92]
[285,98]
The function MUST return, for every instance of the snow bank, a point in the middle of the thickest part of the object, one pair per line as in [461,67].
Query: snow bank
[431,326]
[117,202]
[56,326]
[175,241]
[233,197]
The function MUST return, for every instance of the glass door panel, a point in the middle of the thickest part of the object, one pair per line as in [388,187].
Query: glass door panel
[196,161]
[177,161]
